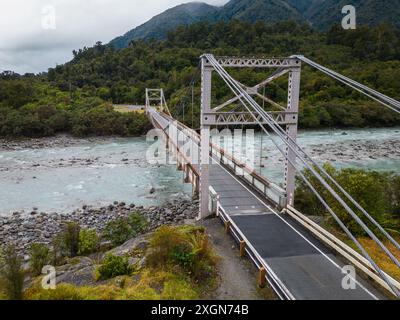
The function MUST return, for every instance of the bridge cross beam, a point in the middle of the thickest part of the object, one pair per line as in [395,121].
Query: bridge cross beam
[156,98]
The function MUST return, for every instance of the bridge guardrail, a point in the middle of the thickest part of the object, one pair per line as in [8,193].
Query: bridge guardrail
[270,190]
[187,161]
[267,188]
[275,283]
[339,246]
[276,194]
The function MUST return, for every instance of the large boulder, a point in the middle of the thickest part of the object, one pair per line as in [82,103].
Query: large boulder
[132,247]
[78,272]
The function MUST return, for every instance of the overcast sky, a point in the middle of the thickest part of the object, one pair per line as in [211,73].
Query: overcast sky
[38,34]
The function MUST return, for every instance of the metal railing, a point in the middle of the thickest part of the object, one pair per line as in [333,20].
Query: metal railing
[270,190]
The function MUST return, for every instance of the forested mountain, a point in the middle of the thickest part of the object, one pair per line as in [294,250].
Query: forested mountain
[160,25]
[270,11]
[304,6]
[321,14]
[369,12]
[77,96]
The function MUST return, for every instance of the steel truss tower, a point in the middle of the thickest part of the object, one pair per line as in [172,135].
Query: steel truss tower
[218,116]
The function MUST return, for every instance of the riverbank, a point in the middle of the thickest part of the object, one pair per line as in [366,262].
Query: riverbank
[63,173]
[22,229]
[59,141]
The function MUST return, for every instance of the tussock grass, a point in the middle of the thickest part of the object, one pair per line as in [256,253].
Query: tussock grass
[381,258]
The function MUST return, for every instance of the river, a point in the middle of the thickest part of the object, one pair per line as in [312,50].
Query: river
[62,177]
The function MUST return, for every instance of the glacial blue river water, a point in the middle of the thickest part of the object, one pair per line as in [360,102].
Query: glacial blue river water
[60,179]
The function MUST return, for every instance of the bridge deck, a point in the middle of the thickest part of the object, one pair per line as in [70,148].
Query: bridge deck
[305,267]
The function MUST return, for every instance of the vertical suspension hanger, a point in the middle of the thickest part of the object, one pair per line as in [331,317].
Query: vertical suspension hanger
[183,105]
[264,96]
[261,144]
[192,105]
[261,153]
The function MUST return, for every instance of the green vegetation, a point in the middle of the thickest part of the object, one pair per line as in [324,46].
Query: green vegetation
[40,257]
[88,241]
[77,97]
[70,239]
[118,231]
[73,241]
[181,265]
[122,229]
[12,274]
[33,107]
[138,223]
[377,192]
[321,14]
[186,247]
[173,287]
[113,266]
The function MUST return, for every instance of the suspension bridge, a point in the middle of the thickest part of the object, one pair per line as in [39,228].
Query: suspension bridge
[297,257]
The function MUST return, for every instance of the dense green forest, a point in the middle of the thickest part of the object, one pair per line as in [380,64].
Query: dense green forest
[77,97]
[378,192]
[321,14]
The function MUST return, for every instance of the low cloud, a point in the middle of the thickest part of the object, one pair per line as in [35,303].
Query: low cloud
[38,34]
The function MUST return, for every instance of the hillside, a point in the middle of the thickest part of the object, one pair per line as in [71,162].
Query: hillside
[158,26]
[76,97]
[304,6]
[321,14]
[369,12]
[270,11]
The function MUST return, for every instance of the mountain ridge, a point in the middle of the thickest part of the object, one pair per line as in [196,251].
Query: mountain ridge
[321,14]
[158,26]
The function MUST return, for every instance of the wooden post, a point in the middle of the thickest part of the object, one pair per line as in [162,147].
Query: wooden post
[227,227]
[187,174]
[180,162]
[242,249]
[196,189]
[262,281]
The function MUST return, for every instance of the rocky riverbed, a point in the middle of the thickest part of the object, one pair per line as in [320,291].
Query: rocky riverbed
[357,150]
[23,229]
[347,151]
[60,141]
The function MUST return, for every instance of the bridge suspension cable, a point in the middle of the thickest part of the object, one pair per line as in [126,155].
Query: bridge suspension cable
[188,97]
[302,155]
[388,102]
[285,138]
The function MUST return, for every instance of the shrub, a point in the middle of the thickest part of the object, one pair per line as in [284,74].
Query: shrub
[57,254]
[187,247]
[12,274]
[113,266]
[118,231]
[374,191]
[138,223]
[66,243]
[184,256]
[40,256]
[70,239]
[163,243]
[88,241]
[121,230]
